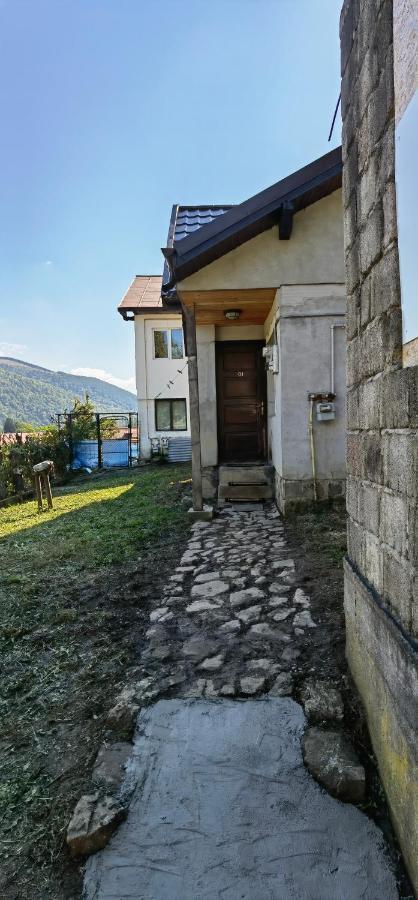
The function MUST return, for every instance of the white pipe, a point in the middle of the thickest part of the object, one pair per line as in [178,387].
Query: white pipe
[311,437]
[332,372]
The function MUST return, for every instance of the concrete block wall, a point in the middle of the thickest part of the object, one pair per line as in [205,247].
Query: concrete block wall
[381,584]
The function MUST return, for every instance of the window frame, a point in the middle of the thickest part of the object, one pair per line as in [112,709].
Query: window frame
[170,400]
[168,331]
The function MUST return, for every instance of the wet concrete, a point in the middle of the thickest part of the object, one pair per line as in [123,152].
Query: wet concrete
[224,808]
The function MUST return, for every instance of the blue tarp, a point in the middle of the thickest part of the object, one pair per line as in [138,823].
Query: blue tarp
[114,453]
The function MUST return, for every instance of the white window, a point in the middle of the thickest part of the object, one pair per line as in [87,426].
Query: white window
[168,343]
[170,415]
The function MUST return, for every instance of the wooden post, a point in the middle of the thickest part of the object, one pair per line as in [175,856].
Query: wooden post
[38,488]
[191,350]
[47,488]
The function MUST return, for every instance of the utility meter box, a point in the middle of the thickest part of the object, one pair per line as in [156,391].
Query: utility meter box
[325,412]
[271,356]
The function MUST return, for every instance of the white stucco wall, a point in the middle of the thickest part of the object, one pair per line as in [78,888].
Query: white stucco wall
[305,316]
[153,375]
[313,254]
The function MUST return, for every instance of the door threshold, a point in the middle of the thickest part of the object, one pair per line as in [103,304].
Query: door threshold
[238,462]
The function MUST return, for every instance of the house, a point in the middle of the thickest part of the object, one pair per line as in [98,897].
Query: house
[161,367]
[379,54]
[261,290]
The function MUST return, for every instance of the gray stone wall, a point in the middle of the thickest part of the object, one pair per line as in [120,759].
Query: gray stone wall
[382,414]
[382,449]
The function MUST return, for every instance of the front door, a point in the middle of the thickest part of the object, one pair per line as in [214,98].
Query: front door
[241,393]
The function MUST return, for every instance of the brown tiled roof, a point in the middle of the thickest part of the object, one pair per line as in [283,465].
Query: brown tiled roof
[143,294]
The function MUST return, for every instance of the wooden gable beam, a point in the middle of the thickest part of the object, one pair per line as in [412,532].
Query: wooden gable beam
[286,221]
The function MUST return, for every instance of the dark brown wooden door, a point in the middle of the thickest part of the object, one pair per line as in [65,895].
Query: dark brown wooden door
[241,393]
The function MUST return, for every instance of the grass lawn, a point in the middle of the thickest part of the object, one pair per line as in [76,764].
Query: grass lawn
[74,589]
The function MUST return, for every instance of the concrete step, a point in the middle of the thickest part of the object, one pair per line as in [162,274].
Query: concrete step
[246,474]
[245,492]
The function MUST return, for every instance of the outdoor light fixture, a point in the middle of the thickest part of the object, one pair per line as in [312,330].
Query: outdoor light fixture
[232,313]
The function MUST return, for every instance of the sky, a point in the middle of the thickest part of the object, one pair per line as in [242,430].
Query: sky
[113,110]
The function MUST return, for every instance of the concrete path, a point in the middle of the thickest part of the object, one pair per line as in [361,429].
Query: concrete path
[224,808]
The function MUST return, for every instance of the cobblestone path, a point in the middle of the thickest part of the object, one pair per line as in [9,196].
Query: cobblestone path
[232,615]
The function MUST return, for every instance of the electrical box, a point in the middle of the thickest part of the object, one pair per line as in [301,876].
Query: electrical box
[271,356]
[325,412]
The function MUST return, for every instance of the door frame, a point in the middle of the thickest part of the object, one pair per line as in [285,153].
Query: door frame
[242,344]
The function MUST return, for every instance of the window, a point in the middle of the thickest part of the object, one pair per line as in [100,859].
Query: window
[168,344]
[170,415]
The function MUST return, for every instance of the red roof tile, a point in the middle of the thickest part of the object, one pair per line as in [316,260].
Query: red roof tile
[144,293]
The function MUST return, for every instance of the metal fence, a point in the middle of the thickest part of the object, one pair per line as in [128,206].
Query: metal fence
[106,440]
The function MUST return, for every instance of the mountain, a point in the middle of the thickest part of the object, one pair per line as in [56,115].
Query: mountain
[32,394]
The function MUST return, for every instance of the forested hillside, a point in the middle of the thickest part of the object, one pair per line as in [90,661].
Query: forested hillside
[32,394]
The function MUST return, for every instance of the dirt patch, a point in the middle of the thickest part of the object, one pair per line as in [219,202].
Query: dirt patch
[318,544]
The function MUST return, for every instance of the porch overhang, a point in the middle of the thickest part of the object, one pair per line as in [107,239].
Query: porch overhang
[210,306]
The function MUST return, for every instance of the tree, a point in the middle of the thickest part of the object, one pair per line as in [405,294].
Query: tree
[9,426]
[81,423]
[26,427]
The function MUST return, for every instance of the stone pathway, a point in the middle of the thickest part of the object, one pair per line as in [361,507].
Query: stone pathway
[232,616]
[223,806]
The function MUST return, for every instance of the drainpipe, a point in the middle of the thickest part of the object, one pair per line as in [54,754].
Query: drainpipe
[332,372]
[312,443]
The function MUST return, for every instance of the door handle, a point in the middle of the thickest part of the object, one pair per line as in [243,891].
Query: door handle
[262,408]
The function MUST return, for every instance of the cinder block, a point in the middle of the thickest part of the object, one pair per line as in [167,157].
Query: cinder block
[395,399]
[352,497]
[355,453]
[413,533]
[373,561]
[369,403]
[353,418]
[394,522]
[365,301]
[371,238]
[381,104]
[369,75]
[400,462]
[373,458]
[390,222]
[356,543]
[368,188]
[411,375]
[352,320]
[369,507]
[386,290]
[397,587]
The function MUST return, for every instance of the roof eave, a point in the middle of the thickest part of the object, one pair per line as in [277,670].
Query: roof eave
[147,310]
[192,253]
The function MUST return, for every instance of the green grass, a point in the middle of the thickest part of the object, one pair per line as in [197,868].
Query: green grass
[94,525]
[73,606]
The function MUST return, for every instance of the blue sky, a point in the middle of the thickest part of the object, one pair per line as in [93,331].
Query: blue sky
[111,111]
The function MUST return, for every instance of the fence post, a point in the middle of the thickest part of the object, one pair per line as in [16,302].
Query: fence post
[99,443]
[130,441]
[70,438]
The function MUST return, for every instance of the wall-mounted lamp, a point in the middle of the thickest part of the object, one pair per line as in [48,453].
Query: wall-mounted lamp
[232,313]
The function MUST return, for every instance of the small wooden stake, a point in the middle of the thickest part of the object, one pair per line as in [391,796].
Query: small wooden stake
[47,486]
[38,488]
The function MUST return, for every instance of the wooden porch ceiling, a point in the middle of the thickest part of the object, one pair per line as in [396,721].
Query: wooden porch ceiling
[210,306]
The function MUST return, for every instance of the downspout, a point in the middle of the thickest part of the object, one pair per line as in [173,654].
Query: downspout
[332,372]
[312,443]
